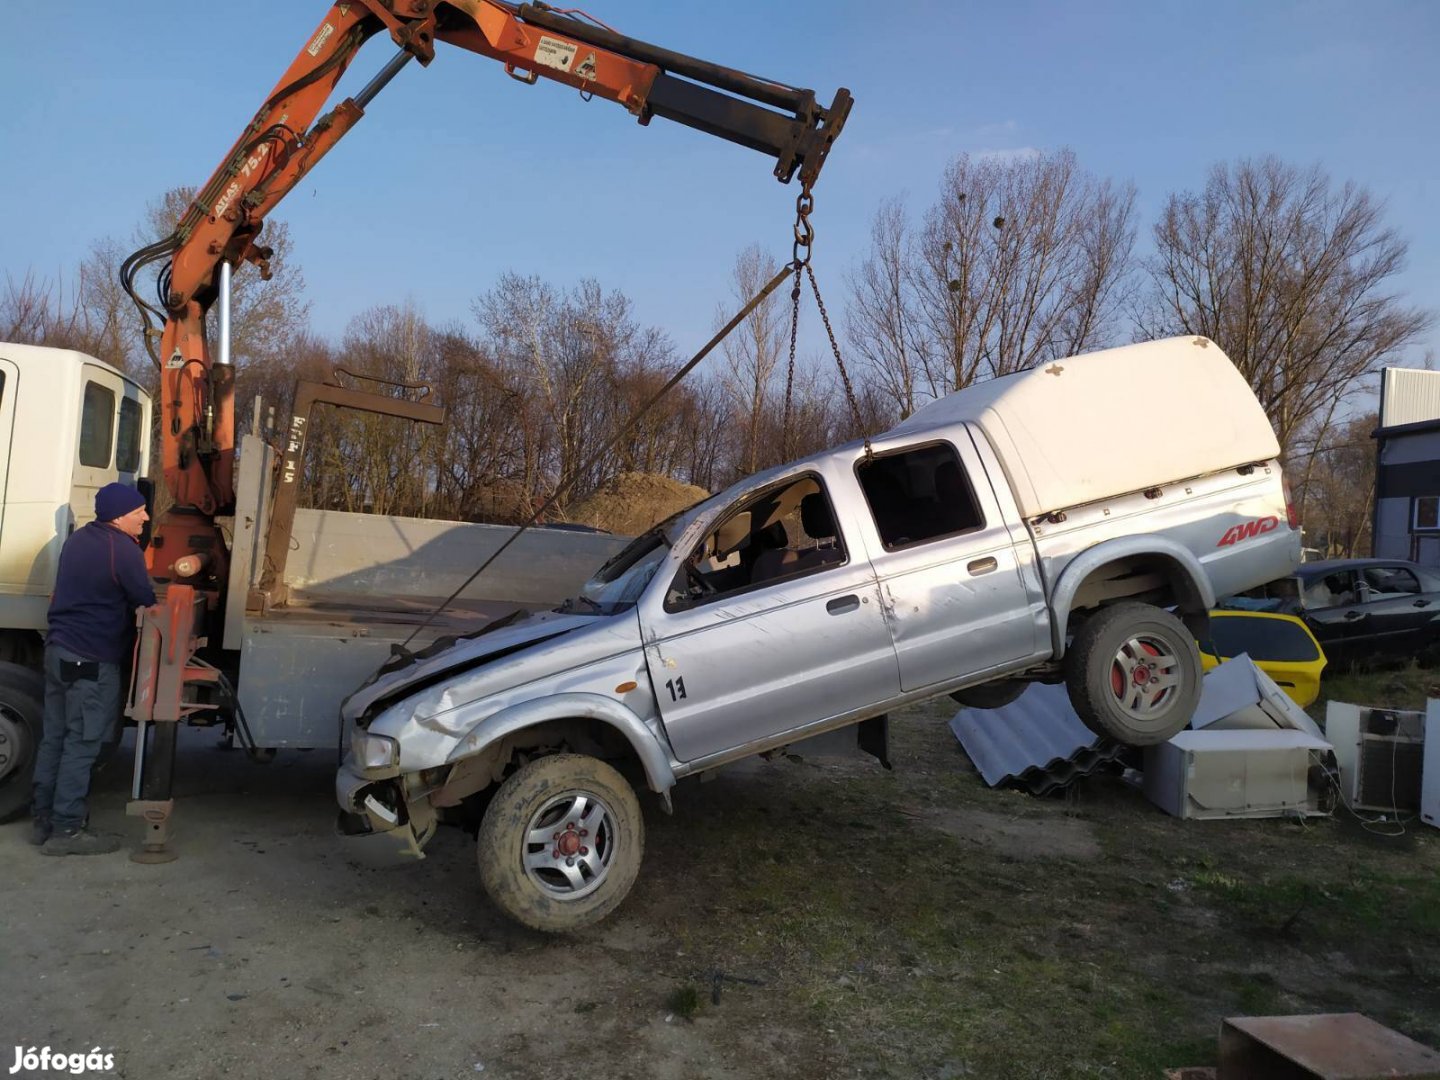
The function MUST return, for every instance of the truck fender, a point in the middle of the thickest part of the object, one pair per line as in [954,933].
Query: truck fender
[496,726]
[1128,547]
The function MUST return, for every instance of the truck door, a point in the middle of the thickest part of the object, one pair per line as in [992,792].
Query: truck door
[947,566]
[112,434]
[9,390]
[770,622]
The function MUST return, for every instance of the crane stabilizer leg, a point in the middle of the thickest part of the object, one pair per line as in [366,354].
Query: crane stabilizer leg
[163,695]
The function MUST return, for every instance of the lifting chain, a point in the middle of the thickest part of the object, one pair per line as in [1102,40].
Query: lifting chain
[800,262]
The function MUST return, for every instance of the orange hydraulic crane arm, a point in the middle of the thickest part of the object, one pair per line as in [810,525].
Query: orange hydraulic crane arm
[288,136]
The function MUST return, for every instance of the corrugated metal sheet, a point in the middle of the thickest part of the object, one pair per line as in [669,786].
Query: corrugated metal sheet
[1409,396]
[1036,742]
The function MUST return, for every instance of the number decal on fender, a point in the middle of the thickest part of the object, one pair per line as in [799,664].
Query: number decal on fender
[676,688]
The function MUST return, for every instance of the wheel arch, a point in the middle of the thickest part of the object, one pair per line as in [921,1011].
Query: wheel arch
[1153,569]
[539,712]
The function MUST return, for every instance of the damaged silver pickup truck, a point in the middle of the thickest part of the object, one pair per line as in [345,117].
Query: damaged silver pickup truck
[1069,523]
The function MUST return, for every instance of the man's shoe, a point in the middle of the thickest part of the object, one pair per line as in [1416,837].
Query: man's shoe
[40,830]
[79,842]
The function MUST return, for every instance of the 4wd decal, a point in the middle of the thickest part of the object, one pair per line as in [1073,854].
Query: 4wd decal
[1245,531]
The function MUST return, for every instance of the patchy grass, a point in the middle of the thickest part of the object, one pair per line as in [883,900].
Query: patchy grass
[684,1001]
[1396,688]
[925,948]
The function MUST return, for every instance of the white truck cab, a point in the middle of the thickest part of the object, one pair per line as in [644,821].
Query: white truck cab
[69,425]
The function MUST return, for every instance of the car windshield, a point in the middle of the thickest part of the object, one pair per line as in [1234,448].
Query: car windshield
[618,584]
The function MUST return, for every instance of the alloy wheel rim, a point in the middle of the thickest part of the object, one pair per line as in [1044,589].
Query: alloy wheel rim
[569,845]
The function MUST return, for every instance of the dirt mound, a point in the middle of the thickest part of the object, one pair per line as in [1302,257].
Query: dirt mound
[633,502]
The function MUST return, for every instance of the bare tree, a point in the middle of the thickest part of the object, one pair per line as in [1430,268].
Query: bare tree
[1336,491]
[752,352]
[1290,276]
[883,323]
[1020,261]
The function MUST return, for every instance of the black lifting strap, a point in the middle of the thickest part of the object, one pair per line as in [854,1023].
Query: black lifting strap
[630,425]
[800,261]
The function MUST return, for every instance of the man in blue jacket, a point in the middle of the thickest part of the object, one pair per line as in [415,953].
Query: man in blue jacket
[101,581]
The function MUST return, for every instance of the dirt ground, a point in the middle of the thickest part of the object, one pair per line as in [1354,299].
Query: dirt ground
[794,919]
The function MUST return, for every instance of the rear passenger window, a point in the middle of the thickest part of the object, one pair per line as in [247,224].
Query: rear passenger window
[918,495]
[127,442]
[97,426]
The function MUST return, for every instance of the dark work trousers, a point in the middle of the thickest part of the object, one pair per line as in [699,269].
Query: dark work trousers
[82,708]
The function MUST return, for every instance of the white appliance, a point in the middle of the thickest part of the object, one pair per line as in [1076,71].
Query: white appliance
[1239,773]
[1380,754]
[1430,783]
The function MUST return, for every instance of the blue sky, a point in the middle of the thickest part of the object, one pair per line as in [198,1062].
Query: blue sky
[458,174]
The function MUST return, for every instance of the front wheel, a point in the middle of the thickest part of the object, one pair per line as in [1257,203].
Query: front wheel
[1133,674]
[22,714]
[560,844]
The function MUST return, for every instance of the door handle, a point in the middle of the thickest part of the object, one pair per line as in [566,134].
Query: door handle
[982,566]
[842,604]
[1351,616]
[1421,603]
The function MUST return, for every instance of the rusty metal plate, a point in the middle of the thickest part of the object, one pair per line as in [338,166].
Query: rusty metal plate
[1326,1046]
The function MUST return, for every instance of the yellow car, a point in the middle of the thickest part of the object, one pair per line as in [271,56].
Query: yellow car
[1281,646]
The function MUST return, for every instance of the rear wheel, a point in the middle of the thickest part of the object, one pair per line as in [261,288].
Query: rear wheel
[560,845]
[22,714]
[1133,673]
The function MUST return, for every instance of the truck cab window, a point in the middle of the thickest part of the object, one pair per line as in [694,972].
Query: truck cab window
[784,532]
[127,441]
[918,495]
[97,426]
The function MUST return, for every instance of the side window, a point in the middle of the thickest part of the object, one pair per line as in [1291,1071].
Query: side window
[1387,582]
[97,426]
[127,442]
[918,495]
[784,532]
[1332,590]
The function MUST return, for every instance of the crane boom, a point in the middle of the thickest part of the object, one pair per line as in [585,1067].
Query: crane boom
[289,135]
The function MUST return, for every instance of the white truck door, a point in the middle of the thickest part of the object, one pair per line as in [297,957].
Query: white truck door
[9,390]
[947,566]
[111,438]
[762,629]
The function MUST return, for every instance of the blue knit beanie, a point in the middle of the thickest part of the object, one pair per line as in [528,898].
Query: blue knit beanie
[116,500]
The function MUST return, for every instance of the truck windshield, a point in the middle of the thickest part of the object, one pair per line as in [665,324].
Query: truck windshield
[618,584]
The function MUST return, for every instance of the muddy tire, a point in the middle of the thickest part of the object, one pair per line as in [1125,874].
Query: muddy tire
[1133,674]
[991,695]
[561,842]
[22,716]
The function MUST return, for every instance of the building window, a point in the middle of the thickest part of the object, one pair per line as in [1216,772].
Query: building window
[1427,514]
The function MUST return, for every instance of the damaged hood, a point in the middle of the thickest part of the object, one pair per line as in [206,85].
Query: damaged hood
[403,675]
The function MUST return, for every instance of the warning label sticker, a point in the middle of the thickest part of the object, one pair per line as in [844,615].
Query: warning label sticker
[320,38]
[555,54]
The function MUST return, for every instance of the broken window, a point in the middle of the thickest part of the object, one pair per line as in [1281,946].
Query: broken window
[784,532]
[919,494]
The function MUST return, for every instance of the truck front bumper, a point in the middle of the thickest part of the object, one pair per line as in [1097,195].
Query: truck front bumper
[380,828]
